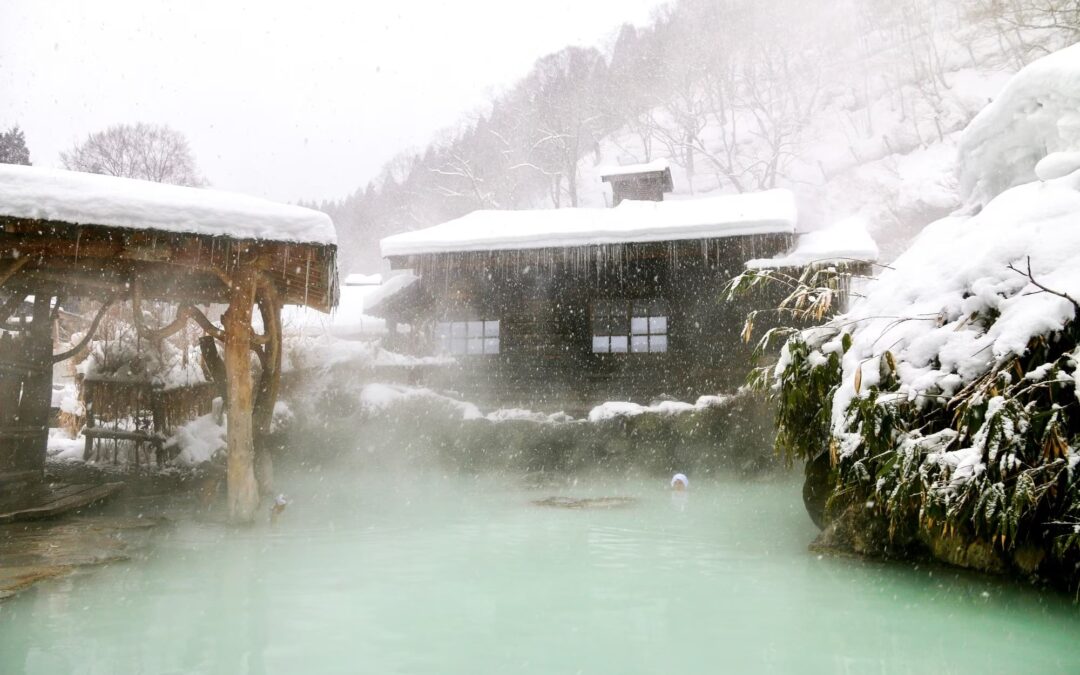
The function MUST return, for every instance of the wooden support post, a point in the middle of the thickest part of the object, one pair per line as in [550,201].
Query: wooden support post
[10,387]
[36,389]
[243,491]
[269,383]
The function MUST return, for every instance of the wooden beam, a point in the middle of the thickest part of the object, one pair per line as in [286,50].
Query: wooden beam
[212,359]
[11,269]
[208,326]
[13,303]
[305,272]
[119,434]
[61,500]
[243,490]
[64,356]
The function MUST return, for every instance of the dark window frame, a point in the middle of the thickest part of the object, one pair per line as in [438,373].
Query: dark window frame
[457,336]
[630,326]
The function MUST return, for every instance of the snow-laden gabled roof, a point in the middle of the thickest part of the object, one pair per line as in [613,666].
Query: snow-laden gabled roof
[844,241]
[91,199]
[767,212]
[631,169]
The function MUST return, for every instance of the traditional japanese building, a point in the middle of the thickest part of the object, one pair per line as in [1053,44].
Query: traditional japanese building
[566,308]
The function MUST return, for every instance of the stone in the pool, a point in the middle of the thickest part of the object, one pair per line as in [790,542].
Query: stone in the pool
[585,503]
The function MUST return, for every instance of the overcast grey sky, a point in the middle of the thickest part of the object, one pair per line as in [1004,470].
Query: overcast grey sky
[288,100]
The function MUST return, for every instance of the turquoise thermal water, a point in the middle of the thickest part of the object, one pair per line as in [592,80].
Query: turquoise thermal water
[418,572]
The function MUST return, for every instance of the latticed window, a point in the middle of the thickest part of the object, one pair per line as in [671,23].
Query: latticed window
[467,337]
[621,326]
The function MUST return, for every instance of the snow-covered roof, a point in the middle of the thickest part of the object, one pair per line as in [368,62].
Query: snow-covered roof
[846,240]
[91,199]
[363,280]
[389,288]
[630,169]
[349,320]
[772,211]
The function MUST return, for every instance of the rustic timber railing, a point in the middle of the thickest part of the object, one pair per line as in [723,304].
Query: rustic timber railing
[126,419]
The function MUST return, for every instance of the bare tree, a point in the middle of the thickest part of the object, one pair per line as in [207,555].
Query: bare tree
[1023,27]
[147,151]
[461,181]
[566,115]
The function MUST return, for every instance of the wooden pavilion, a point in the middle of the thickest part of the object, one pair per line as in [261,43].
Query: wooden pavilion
[68,235]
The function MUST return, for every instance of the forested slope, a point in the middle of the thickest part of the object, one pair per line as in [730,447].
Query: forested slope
[855,105]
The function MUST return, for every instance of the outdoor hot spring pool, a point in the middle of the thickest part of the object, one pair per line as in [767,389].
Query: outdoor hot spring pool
[420,572]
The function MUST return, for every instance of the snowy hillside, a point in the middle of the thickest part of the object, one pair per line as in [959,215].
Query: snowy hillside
[882,146]
[855,105]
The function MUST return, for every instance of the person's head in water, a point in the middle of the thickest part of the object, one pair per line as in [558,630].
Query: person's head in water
[679,482]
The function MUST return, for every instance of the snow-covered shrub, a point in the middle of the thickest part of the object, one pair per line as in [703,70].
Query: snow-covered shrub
[119,354]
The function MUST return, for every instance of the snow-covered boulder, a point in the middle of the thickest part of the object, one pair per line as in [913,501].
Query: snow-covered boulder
[1036,114]
[930,310]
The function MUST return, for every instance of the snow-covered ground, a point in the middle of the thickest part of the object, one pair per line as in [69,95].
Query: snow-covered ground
[327,352]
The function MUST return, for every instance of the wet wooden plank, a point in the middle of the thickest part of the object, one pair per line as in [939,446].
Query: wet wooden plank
[47,502]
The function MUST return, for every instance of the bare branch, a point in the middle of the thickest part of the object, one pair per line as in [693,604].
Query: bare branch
[1044,289]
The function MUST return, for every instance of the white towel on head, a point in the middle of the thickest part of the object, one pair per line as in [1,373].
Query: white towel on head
[680,478]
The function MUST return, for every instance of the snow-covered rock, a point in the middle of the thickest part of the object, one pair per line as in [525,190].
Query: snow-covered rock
[199,440]
[926,309]
[613,409]
[1036,114]
[379,398]
[1057,165]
